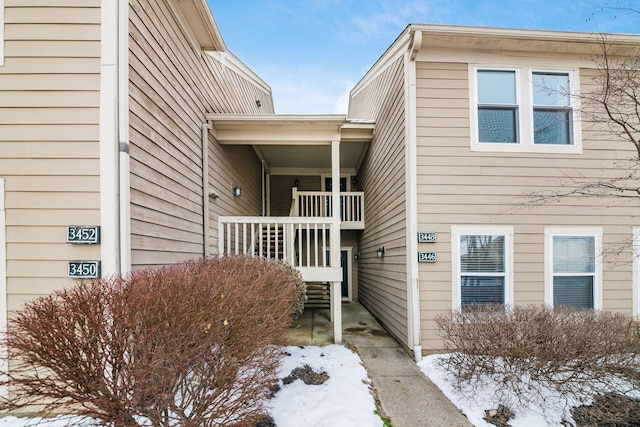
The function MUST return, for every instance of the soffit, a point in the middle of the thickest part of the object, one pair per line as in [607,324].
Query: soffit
[295,141]
[515,40]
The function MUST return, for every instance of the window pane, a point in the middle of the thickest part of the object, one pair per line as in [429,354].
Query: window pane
[497,124]
[496,87]
[574,254]
[551,89]
[482,254]
[573,291]
[482,290]
[552,127]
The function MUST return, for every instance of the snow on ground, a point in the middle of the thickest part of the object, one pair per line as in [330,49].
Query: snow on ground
[547,411]
[344,400]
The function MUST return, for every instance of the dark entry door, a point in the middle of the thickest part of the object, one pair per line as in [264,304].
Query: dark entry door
[345,274]
[328,186]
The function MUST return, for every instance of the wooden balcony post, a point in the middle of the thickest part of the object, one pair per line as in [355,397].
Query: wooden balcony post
[336,287]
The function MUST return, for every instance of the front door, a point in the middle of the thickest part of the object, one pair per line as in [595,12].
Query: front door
[345,273]
[328,186]
[344,264]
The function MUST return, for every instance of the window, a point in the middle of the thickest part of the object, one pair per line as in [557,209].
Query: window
[552,113]
[482,265]
[573,261]
[497,106]
[523,109]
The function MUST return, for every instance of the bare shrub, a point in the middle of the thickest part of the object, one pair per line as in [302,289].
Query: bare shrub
[528,350]
[190,345]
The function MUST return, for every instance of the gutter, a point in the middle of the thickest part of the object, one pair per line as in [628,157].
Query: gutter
[206,191]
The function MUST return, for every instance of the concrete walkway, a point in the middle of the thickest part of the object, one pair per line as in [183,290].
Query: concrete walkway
[407,397]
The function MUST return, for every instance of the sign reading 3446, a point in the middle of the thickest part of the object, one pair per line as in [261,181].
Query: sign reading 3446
[427,257]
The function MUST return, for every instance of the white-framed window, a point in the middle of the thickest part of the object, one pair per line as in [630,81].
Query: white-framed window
[482,260]
[573,267]
[524,109]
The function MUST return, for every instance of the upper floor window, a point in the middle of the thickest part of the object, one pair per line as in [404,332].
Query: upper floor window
[523,109]
[497,106]
[552,112]
[573,263]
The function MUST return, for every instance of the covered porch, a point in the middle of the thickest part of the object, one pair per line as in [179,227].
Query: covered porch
[306,231]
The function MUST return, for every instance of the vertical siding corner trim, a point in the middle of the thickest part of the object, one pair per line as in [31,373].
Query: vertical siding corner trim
[4,391]
[411,175]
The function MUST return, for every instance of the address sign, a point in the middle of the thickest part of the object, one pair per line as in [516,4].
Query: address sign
[83,269]
[83,234]
[427,257]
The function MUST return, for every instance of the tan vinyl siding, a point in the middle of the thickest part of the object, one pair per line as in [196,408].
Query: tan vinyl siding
[49,111]
[383,282]
[457,186]
[172,88]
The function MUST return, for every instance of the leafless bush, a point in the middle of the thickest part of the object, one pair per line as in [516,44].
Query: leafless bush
[528,350]
[190,345]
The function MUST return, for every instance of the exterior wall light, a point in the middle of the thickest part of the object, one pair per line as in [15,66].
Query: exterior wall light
[296,183]
[237,191]
[380,252]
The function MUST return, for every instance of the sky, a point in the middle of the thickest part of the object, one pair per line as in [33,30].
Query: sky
[313,52]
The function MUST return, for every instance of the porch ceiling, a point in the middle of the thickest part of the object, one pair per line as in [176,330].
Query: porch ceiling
[295,141]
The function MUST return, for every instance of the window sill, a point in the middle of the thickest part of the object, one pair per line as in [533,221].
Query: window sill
[526,148]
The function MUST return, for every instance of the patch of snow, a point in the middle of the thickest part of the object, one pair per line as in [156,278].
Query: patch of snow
[344,400]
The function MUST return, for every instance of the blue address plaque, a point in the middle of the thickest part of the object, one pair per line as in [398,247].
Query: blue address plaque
[84,269]
[83,234]
[427,257]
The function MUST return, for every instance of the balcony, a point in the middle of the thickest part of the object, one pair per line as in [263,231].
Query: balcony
[317,204]
[302,242]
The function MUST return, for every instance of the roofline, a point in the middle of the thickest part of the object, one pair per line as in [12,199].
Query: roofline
[338,119]
[198,17]
[230,60]
[550,35]
[402,43]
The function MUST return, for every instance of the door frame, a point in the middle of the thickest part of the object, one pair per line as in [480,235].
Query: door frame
[349,267]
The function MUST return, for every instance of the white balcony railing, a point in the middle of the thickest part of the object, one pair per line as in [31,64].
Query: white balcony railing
[302,242]
[317,204]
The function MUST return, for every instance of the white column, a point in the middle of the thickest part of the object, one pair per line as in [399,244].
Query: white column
[336,287]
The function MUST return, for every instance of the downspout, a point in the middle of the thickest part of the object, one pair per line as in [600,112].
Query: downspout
[411,175]
[206,189]
[123,137]
[115,253]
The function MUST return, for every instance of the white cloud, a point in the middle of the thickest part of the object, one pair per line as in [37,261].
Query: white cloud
[308,89]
